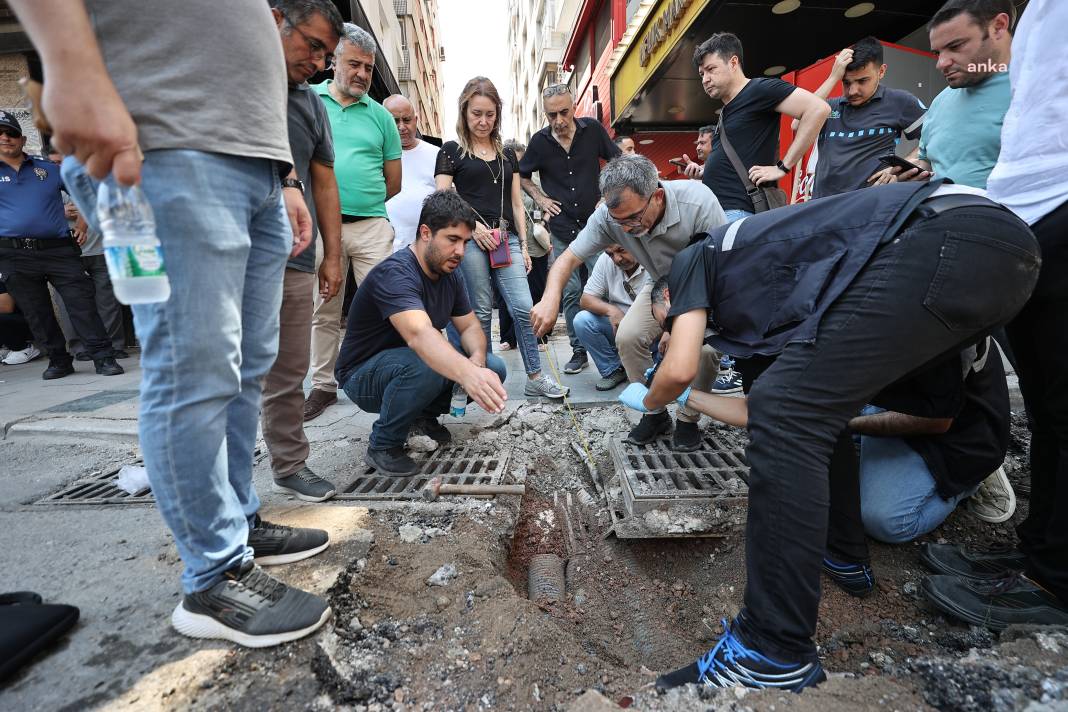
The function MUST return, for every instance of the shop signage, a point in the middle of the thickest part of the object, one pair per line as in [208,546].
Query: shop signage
[662,28]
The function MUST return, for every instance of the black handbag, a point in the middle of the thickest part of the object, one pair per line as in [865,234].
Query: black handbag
[28,626]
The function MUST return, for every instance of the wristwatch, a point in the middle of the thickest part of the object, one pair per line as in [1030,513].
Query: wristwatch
[293,183]
[781,166]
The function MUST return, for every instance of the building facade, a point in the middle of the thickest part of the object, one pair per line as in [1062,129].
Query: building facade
[421,54]
[537,34]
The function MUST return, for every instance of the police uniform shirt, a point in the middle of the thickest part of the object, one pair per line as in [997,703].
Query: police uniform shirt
[766,280]
[31,204]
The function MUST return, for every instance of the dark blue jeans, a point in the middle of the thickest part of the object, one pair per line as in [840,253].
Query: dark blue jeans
[397,385]
[925,294]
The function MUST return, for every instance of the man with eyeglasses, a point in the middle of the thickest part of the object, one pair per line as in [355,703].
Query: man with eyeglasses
[309,31]
[567,156]
[367,163]
[654,221]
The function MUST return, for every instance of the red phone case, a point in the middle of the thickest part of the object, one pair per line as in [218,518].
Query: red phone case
[501,255]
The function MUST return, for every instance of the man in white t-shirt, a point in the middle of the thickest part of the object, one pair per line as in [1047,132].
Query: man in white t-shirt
[417,172]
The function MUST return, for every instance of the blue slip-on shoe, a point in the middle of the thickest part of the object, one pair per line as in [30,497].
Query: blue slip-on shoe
[855,579]
[732,663]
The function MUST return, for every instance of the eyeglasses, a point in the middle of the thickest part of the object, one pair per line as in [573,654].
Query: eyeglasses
[635,220]
[555,90]
[10,133]
[317,48]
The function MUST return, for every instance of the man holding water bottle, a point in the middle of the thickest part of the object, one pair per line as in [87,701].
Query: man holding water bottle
[214,156]
[395,361]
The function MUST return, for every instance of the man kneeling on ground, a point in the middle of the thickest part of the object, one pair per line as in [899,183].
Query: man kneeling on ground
[395,361]
[609,292]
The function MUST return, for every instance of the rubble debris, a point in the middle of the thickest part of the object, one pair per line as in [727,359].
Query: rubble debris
[442,576]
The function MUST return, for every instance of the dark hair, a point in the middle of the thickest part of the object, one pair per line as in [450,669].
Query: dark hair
[445,208]
[658,296]
[620,138]
[867,51]
[982,12]
[706,129]
[297,12]
[723,44]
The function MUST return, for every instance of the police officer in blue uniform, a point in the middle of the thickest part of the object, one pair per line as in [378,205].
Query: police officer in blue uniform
[37,249]
[847,295]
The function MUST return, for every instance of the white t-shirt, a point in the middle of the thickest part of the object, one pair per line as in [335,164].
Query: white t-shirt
[417,182]
[1031,175]
[610,283]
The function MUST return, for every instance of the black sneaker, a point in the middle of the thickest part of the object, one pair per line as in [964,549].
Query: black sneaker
[578,361]
[393,462]
[954,560]
[649,428]
[855,579]
[57,369]
[83,356]
[687,437]
[108,366]
[275,544]
[306,485]
[433,430]
[733,663]
[121,354]
[251,608]
[998,603]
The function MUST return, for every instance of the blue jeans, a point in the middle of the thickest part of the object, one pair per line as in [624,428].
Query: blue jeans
[596,335]
[733,215]
[511,282]
[400,387]
[899,500]
[572,292]
[206,350]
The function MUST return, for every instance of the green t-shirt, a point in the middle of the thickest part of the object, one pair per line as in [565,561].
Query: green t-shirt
[365,137]
[962,131]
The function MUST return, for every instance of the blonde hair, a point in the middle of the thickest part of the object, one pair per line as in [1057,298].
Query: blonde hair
[479,86]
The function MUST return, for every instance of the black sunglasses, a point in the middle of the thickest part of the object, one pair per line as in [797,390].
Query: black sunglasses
[11,133]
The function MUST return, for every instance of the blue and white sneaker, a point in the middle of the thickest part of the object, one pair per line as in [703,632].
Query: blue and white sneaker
[728,381]
[855,579]
[732,663]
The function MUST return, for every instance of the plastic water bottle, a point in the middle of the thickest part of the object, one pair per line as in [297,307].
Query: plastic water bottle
[131,249]
[458,405]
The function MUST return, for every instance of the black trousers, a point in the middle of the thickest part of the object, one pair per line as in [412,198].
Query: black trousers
[107,306]
[1039,337]
[536,278]
[14,332]
[925,293]
[27,274]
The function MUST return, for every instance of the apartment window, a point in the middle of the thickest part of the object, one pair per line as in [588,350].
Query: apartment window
[582,62]
[602,28]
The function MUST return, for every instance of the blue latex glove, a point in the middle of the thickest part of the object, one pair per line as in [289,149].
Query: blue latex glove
[684,396]
[648,375]
[632,397]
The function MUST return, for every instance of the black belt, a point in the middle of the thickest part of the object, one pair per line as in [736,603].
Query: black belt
[35,243]
[933,207]
[356,218]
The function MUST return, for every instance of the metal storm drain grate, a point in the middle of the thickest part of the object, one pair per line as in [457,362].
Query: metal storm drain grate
[651,474]
[96,489]
[454,465]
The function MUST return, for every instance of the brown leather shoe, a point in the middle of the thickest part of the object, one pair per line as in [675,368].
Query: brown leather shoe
[317,402]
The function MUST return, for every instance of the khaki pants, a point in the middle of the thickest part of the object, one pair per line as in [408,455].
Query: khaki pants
[635,336]
[364,244]
[283,394]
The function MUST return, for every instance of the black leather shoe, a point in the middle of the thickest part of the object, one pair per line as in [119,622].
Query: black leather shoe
[108,366]
[121,354]
[393,462]
[687,437]
[649,428]
[83,356]
[57,370]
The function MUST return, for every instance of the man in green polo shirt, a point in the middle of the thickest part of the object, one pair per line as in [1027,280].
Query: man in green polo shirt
[367,163]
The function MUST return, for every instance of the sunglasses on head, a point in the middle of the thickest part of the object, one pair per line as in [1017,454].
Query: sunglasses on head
[11,133]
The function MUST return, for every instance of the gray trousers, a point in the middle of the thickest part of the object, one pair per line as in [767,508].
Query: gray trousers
[106,305]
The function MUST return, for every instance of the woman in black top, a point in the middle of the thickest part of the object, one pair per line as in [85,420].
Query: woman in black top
[486,176]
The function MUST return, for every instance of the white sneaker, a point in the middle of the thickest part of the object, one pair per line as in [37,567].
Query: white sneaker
[543,385]
[994,501]
[29,353]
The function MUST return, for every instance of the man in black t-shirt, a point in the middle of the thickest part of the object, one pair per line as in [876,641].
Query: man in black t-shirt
[395,361]
[750,116]
[929,441]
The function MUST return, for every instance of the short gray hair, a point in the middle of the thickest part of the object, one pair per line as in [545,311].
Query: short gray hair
[629,170]
[516,145]
[357,37]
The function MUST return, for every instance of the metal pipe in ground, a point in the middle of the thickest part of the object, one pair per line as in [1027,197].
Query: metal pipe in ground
[545,578]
